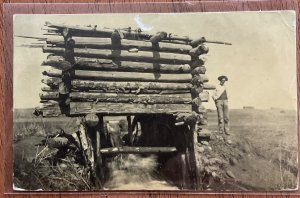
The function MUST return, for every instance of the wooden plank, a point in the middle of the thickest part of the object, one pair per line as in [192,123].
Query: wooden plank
[106,64]
[121,55]
[106,43]
[80,108]
[138,150]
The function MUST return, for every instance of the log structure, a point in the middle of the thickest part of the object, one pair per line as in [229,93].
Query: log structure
[127,72]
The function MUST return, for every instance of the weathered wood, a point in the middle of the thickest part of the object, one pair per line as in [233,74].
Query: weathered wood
[94,85]
[107,33]
[106,85]
[197,51]
[52,82]
[91,120]
[158,37]
[80,108]
[49,95]
[106,64]
[50,109]
[121,55]
[127,76]
[106,43]
[132,98]
[184,98]
[138,150]
[48,89]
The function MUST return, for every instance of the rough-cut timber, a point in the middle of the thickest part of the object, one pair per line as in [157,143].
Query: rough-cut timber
[122,55]
[110,65]
[106,43]
[132,98]
[126,76]
[184,98]
[51,82]
[80,108]
[50,109]
[106,85]
[138,150]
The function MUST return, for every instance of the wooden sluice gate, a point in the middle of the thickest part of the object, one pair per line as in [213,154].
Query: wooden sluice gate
[158,81]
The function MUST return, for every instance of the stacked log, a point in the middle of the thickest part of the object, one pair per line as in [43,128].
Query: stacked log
[122,71]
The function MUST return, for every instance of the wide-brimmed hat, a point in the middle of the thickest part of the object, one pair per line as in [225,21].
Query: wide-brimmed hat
[222,77]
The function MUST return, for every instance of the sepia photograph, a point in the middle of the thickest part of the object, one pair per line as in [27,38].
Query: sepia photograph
[159,101]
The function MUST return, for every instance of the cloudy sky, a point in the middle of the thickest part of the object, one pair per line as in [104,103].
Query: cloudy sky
[260,63]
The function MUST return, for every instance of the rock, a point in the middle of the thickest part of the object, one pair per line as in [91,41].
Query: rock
[62,165]
[204,143]
[214,174]
[229,142]
[205,160]
[200,149]
[230,174]
[232,161]
[215,161]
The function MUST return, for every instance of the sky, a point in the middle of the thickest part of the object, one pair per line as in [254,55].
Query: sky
[260,63]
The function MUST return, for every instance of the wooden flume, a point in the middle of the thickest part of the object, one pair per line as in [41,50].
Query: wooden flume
[157,78]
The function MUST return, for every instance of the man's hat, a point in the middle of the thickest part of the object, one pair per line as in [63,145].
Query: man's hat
[222,77]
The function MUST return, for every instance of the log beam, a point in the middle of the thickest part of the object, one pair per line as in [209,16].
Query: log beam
[106,64]
[121,55]
[138,150]
[80,108]
[106,43]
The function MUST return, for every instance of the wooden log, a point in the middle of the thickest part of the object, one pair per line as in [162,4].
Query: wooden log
[50,109]
[91,120]
[106,43]
[197,51]
[49,95]
[94,85]
[184,98]
[132,98]
[81,108]
[152,77]
[106,85]
[198,70]
[158,37]
[121,55]
[48,89]
[138,150]
[52,82]
[107,33]
[110,65]
[127,76]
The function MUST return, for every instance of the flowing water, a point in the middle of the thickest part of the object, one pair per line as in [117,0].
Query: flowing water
[134,172]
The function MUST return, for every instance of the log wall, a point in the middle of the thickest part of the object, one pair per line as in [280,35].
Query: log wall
[122,72]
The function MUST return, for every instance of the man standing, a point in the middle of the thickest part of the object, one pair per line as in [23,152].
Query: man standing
[221,100]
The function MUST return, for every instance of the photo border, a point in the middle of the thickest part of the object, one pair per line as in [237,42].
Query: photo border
[62,7]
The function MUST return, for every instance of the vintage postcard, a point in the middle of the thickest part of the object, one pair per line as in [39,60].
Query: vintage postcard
[185,101]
